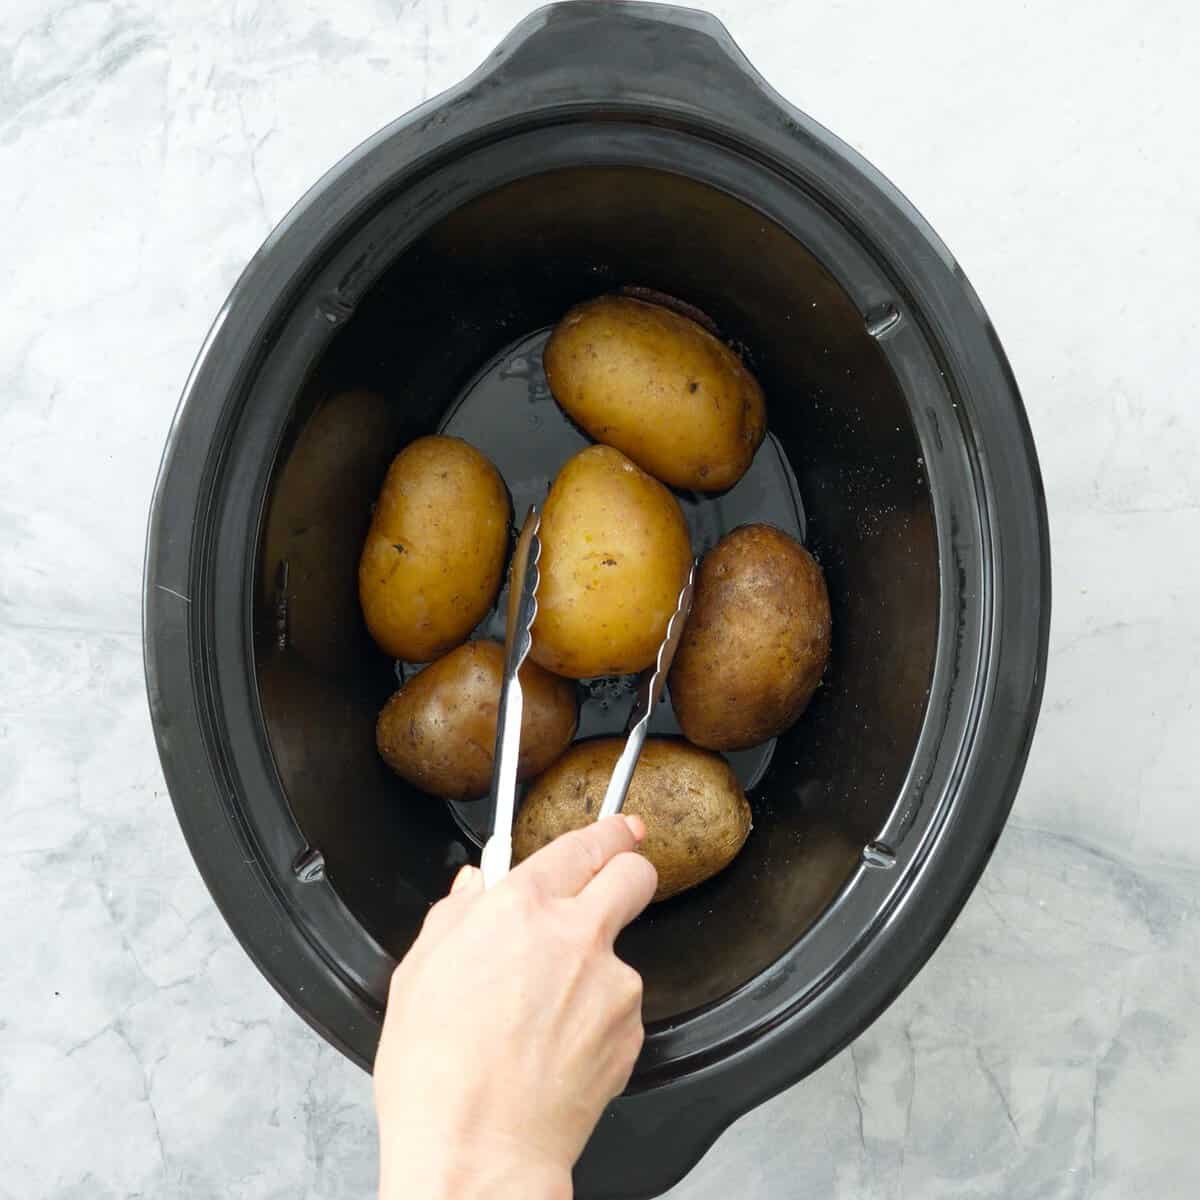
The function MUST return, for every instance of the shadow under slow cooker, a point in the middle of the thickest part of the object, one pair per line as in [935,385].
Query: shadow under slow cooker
[496,271]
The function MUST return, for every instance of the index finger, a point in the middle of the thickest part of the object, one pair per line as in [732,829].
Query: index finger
[570,862]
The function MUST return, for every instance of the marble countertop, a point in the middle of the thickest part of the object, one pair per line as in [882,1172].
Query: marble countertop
[1050,1049]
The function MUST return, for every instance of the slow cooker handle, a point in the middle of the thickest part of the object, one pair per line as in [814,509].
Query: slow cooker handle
[630,55]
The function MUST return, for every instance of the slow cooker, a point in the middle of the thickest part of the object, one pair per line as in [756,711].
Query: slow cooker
[605,145]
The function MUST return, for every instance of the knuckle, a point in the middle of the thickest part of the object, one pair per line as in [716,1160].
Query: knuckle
[532,883]
[587,851]
[637,1039]
[519,899]
[630,987]
[636,988]
[628,1049]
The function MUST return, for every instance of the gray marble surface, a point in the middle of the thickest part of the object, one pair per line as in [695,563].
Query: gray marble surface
[1050,1049]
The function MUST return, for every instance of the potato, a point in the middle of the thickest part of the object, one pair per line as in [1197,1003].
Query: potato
[756,643]
[434,555]
[439,730]
[615,554]
[696,816]
[658,387]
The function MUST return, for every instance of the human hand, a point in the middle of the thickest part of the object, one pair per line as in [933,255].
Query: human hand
[511,1023]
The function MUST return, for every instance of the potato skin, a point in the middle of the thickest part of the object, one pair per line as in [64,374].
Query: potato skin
[658,387]
[756,643]
[439,730]
[615,554]
[433,560]
[696,816]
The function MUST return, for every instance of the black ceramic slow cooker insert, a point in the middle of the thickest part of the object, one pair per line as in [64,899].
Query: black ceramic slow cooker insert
[604,145]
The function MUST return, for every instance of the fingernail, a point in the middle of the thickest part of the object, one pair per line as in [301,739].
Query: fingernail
[636,826]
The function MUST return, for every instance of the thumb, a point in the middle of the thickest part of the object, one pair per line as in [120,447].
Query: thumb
[468,881]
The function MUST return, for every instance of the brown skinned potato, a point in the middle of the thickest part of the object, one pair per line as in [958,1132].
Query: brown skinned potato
[434,556]
[439,730]
[696,816]
[658,387]
[756,642]
[615,554]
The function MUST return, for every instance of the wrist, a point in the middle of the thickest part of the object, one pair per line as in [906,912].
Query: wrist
[463,1174]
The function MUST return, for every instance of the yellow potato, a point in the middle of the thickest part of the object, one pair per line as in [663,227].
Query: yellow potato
[615,554]
[439,730]
[434,555]
[658,387]
[756,643]
[696,816]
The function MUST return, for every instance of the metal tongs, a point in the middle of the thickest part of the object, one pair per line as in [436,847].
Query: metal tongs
[649,690]
[518,638]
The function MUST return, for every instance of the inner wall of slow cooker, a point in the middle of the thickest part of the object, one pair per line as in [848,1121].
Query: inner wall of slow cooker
[499,268]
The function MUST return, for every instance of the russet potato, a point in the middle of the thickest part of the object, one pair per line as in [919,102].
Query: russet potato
[756,642]
[696,815]
[439,730]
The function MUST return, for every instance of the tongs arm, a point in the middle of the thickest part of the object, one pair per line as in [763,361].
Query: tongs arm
[518,638]
[650,689]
